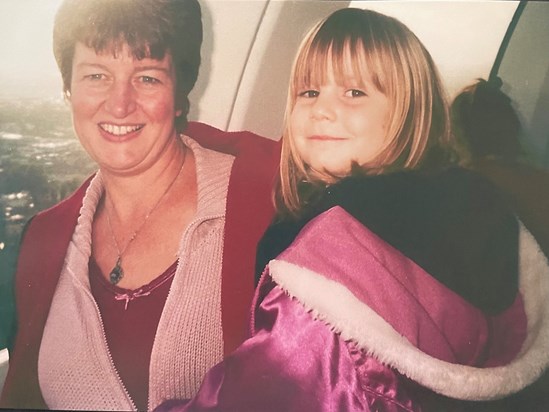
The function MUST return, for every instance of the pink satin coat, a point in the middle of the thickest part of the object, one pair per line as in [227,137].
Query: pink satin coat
[342,321]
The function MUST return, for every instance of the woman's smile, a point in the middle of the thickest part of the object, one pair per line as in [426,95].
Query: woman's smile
[120,133]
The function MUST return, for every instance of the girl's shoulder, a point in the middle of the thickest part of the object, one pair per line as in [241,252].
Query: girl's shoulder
[453,223]
[418,186]
[416,196]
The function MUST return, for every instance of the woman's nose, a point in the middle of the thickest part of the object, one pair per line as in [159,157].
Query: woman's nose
[121,100]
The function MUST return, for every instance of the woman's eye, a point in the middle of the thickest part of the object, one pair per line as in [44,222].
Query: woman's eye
[149,80]
[354,93]
[95,76]
[309,93]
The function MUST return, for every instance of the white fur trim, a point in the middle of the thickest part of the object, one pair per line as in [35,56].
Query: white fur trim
[332,303]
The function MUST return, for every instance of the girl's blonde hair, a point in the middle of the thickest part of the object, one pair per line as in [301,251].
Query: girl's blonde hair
[399,66]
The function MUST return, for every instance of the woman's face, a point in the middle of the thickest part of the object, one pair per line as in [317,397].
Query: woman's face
[123,109]
[336,123]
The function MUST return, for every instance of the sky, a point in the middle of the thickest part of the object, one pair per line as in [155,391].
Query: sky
[28,68]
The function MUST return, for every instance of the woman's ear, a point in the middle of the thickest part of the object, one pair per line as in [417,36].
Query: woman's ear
[178,112]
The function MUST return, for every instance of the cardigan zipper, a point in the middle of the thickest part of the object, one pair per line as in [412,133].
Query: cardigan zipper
[134,407]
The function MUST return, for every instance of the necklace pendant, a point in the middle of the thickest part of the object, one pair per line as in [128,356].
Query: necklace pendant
[116,273]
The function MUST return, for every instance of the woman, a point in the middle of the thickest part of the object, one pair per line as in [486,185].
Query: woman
[128,291]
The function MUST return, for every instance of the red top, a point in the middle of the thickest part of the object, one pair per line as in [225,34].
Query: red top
[130,319]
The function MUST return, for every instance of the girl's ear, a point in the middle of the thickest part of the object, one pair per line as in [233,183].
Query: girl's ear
[178,113]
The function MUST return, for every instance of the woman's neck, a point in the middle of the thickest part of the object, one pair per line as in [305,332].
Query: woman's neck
[131,196]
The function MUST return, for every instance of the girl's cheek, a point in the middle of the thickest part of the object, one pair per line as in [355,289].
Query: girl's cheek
[296,119]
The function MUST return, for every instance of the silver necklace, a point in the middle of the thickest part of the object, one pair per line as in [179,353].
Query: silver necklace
[117,273]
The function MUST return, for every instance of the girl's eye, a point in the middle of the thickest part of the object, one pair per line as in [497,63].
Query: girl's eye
[354,93]
[309,93]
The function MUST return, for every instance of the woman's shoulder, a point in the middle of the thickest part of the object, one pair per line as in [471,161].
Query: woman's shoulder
[56,224]
[236,143]
[256,158]
[68,207]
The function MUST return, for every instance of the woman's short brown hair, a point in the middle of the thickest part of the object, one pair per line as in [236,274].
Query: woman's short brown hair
[151,28]
[400,67]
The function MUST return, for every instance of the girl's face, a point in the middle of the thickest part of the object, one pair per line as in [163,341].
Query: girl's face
[339,122]
[123,109]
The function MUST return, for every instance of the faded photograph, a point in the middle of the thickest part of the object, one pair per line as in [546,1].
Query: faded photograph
[220,106]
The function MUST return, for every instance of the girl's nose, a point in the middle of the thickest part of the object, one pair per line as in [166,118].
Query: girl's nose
[121,100]
[323,108]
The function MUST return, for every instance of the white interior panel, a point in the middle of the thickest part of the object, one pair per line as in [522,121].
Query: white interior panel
[229,29]
[262,96]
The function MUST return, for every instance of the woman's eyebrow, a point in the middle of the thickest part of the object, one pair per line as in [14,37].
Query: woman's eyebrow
[161,68]
[153,67]
[91,65]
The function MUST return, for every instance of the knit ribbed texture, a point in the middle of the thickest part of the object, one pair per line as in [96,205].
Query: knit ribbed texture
[75,369]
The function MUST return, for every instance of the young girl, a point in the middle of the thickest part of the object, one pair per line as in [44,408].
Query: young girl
[392,281]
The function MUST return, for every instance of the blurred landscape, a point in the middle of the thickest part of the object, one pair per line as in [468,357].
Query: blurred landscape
[41,162]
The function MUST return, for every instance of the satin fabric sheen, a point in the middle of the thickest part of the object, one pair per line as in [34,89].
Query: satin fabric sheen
[274,372]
